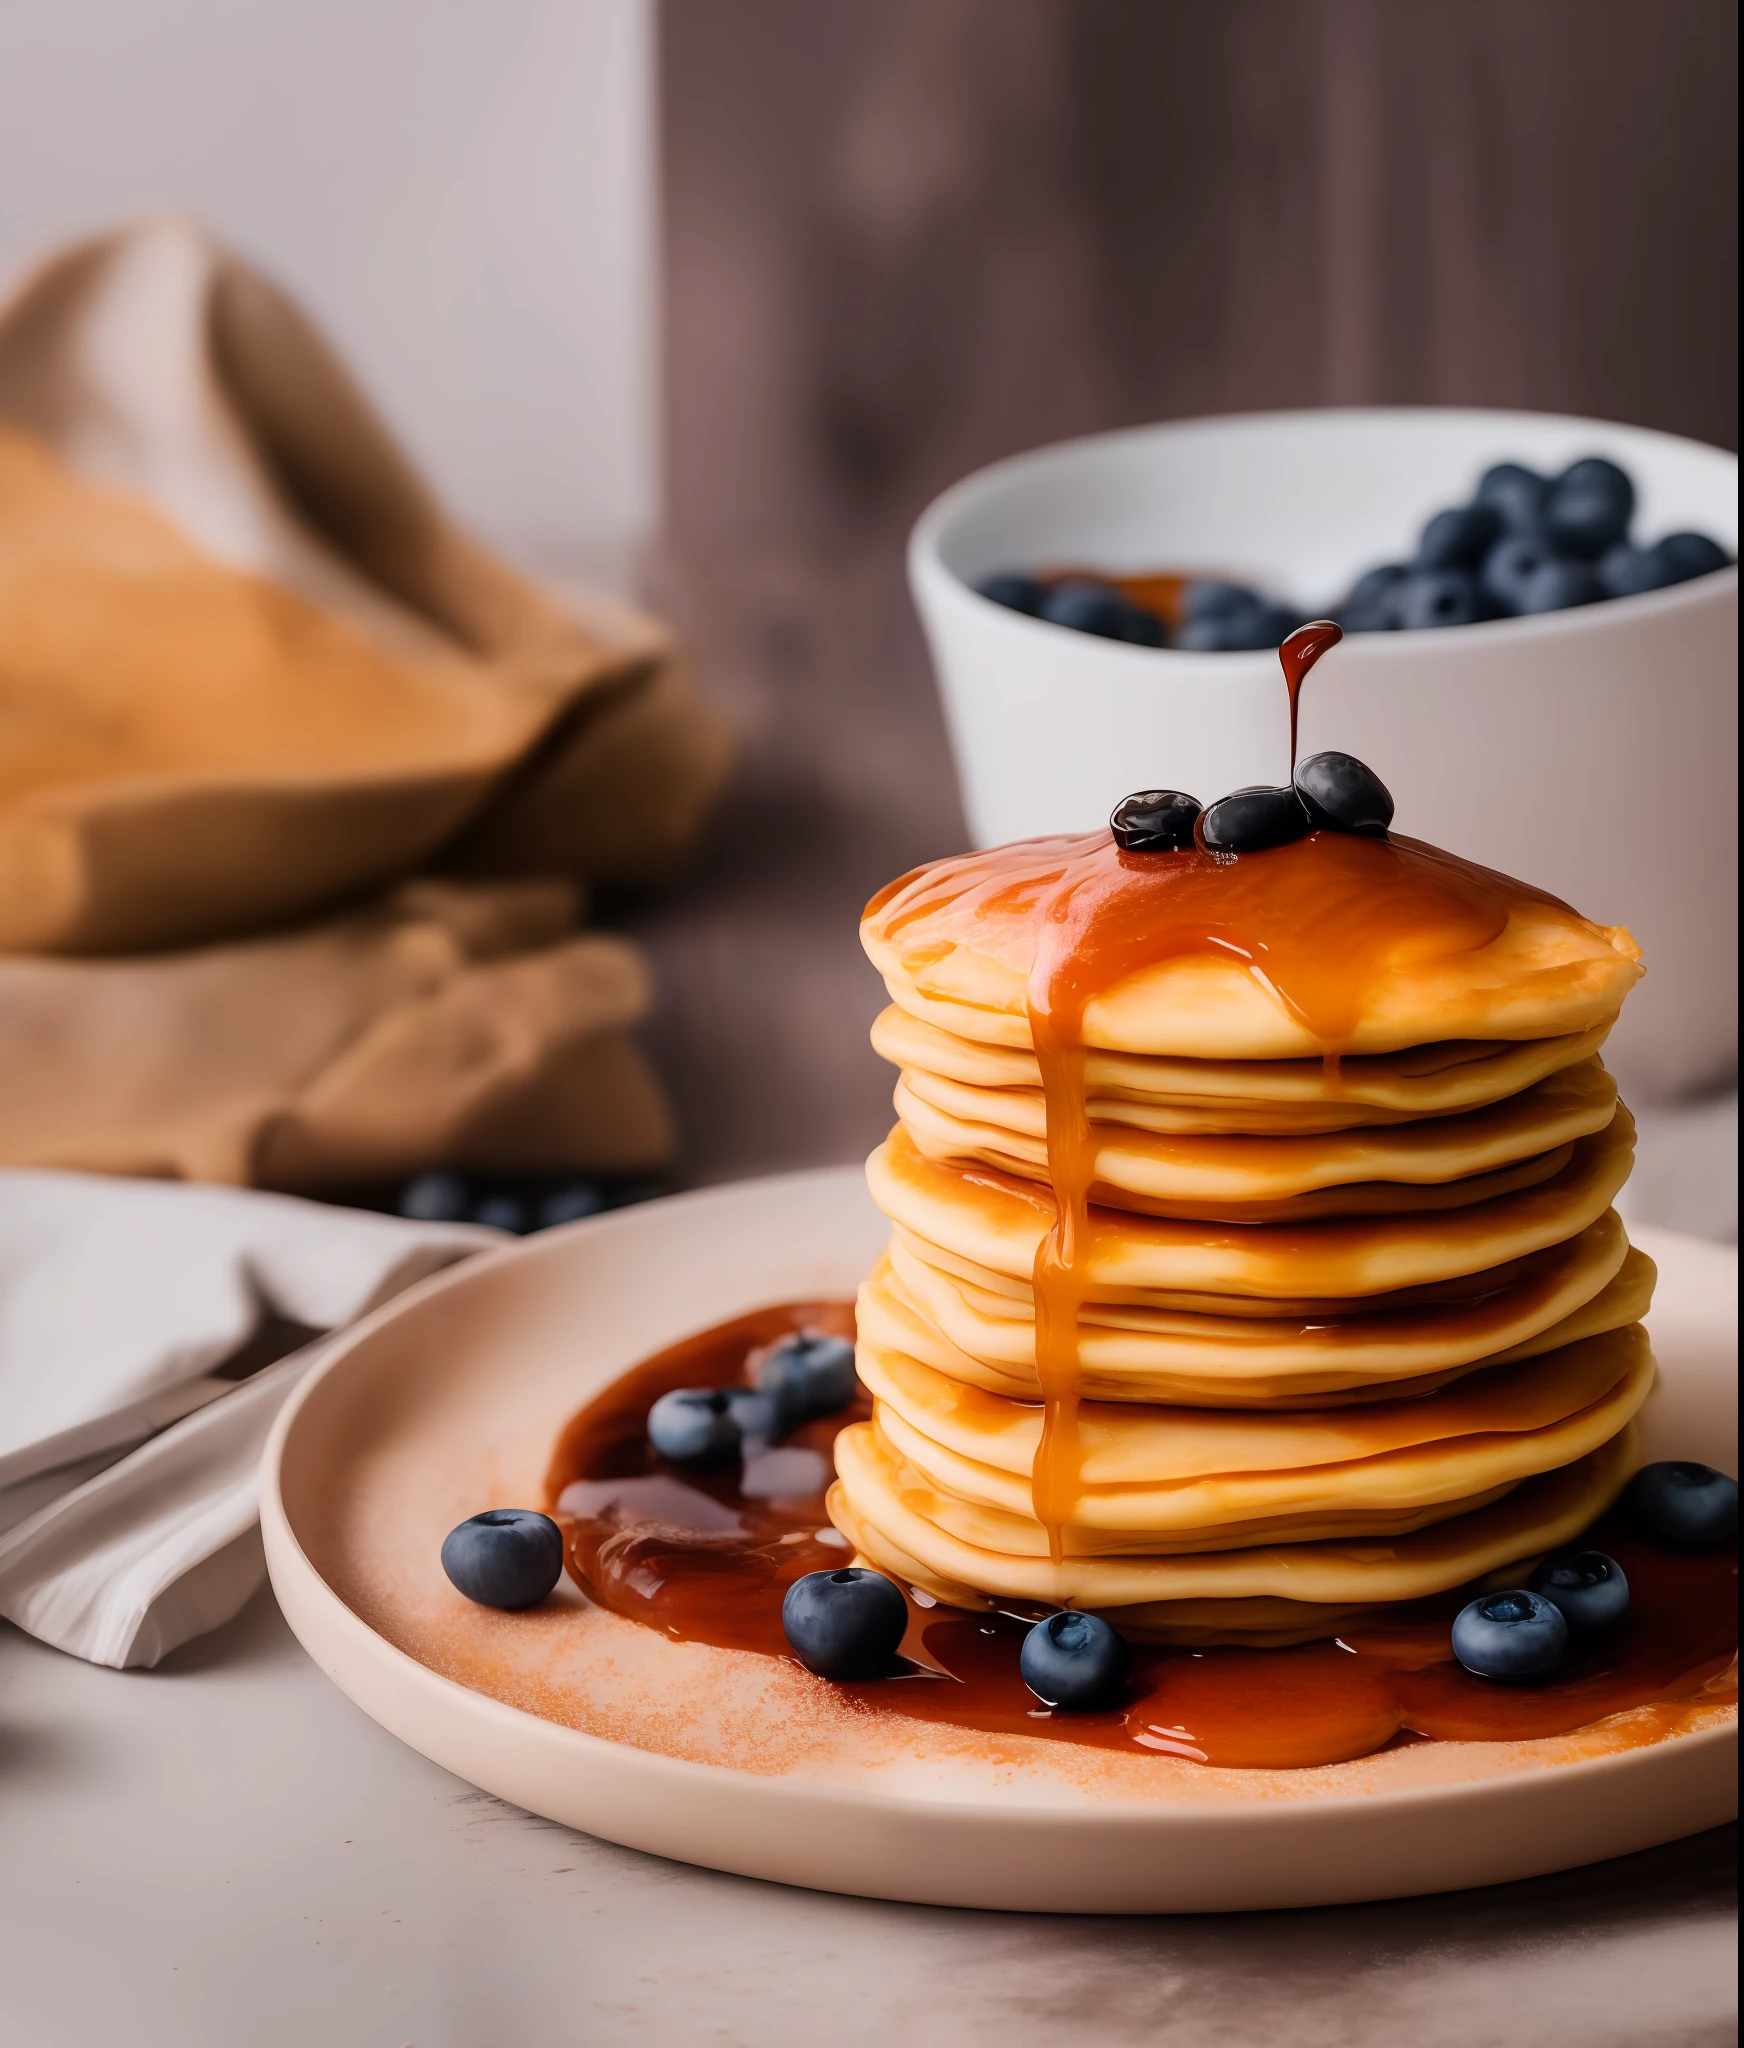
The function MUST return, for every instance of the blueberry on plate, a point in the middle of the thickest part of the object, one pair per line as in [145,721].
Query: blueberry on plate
[570,1204]
[1154,821]
[1626,571]
[704,1425]
[1692,1506]
[1075,1661]
[1690,554]
[1517,1636]
[1249,820]
[1014,590]
[807,1374]
[1459,538]
[1516,495]
[1589,508]
[1558,585]
[846,1623]
[1370,605]
[435,1198]
[1342,794]
[1510,566]
[1429,598]
[506,1557]
[1586,1587]
[502,1212]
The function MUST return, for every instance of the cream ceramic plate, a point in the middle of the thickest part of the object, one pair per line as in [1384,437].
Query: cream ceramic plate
[449,1401]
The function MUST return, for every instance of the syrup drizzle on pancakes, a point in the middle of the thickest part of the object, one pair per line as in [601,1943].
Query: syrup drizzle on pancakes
[1313,921]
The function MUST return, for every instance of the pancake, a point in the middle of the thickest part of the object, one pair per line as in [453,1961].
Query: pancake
[1263,1622]
[1212,1097]
[999,1221]
[1022,1536]
[1216,1481]
[1437,1162]
[1123,1445]
[1594,1282]
[885,1511]
[1339,941]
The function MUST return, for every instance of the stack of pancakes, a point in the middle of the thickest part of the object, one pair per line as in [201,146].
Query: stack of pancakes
[1348,1323]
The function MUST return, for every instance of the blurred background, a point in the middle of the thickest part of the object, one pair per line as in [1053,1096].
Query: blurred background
[705,302]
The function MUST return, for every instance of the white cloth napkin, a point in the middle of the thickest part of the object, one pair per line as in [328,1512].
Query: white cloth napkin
[131,1423]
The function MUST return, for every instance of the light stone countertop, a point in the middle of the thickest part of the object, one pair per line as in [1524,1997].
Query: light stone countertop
[225,1850]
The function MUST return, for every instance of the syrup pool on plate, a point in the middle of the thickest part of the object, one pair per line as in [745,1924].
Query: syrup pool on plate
[705,1555]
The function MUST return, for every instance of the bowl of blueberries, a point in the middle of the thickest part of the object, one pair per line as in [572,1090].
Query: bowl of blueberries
[1540,654]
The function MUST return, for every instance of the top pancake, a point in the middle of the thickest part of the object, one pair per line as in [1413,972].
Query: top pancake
[1335,944]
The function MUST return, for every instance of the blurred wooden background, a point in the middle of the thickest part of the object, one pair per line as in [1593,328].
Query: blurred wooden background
[904,237]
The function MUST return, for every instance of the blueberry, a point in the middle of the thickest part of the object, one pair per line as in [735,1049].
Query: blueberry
[502,1212]
[1517,1635]
[1693,1506]
[506,1557]
[1017,592]
[434,1198]
[1207,598]
[1690,554]
[1516,495]
[1142,628]
[1280,622]
[1229,618]
[1154,821]
[757,1413]
[1249,820]
[1086,607]
[1589,508]
[1439,597]
[570,1204]
[845,1624]
[1370,605]
[808,1374]
[1459,538]
[703,1425]
[1510,566]
[1256,626]
[1626,571]
[1586,1587]
[1558,585]
[1340,793]
[1075,1661]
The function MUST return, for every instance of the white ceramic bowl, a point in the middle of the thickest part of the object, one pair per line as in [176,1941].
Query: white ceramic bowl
[1593,752]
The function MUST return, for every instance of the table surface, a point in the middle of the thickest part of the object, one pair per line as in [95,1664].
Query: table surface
[226,1850]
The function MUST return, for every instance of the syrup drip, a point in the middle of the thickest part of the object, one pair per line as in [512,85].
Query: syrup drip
[1112,913]
[703,1559]
[1296,657]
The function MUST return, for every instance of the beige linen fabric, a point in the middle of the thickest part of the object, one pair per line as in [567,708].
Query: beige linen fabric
[131,1424]
[247,665]
[251,678]
[465,1023]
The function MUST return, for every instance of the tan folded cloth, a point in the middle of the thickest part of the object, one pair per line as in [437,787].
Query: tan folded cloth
[462,1023]
[247,666]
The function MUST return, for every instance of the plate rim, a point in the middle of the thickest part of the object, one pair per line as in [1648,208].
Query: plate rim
[300,1586]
